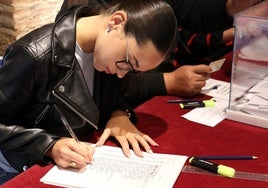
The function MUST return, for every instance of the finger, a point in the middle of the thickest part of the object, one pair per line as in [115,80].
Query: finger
[65,161]
[144,140]
[135,141]
[197,85]
[90,150]
[202,77]
[80,153]
[201,69]
[150,140]
[105,135]
[73,164]
[124,144]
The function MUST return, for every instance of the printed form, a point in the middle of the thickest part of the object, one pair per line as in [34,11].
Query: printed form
[111,168]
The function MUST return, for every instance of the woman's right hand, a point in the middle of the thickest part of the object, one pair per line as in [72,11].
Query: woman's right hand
[66,152]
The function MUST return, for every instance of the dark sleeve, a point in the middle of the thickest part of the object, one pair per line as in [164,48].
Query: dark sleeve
[109,96]
[196,48]
[201,15]
[201,26]
[140,87]
[21,143]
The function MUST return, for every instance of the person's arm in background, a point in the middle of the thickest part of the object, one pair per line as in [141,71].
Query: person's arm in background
[235,6]
[186,81]
[202,48]
[206,29]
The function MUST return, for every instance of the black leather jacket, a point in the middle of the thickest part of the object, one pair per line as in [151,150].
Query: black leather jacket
[40,82]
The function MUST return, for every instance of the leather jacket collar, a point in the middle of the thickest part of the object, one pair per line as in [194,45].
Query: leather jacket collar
[65,28]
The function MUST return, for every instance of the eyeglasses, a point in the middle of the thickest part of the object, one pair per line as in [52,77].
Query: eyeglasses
[125,65]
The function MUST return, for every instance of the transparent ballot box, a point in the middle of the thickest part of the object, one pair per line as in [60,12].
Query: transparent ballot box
[248,101]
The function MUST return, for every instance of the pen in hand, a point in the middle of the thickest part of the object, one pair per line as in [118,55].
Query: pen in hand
[67,125]
[69,129]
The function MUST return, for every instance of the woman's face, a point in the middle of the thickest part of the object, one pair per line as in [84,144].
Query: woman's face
[114,46]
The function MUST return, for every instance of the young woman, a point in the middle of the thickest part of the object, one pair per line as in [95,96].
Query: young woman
[64,73]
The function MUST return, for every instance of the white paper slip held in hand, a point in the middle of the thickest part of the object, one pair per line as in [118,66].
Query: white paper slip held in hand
[216,65]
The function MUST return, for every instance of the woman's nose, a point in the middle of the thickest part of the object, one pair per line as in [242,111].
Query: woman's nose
[121,73]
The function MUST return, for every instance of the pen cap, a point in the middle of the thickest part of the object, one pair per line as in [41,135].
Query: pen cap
[226,171]
[209,103]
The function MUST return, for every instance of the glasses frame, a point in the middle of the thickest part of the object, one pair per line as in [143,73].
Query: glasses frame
[126,61]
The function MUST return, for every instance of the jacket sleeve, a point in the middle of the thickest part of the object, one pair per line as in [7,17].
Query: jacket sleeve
[21,144]
[201,26]
[140,87]
[197,48]
[201,16]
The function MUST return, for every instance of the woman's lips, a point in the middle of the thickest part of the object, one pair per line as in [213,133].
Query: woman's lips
[107,70]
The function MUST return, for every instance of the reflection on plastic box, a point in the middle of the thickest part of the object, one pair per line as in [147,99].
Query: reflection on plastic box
[250,67]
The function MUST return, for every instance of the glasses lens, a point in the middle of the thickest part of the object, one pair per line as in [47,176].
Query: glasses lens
[124,65]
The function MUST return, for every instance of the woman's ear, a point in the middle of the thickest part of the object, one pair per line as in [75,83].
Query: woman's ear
[117,20]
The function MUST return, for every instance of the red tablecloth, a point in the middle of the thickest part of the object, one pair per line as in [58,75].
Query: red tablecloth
[176,135]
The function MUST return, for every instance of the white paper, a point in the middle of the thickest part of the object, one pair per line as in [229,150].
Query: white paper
[209,116]
[217,89]
[260,87]
[216,65]
[111,168]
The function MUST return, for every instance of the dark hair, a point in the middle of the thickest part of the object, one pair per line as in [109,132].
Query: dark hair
[152,20]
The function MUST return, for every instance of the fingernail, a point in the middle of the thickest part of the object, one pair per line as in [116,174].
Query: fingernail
[150,151]
[91,161]
[127,155]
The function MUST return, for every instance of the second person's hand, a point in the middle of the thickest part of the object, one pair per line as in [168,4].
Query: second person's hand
[187,80]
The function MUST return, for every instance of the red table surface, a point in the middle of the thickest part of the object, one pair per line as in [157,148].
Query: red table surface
[176,135]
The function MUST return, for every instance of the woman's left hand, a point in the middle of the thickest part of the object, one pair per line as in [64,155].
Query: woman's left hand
[120,127]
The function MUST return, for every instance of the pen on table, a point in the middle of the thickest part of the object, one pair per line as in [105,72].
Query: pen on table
[212,167]
[236,157]
[212,87]
[198,104]
[182,101]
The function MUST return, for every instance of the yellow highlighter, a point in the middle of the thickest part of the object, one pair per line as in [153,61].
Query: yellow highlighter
[212,167]
[198,104]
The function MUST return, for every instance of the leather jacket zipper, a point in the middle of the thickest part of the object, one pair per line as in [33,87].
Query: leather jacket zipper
[73,109]
[41,115]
